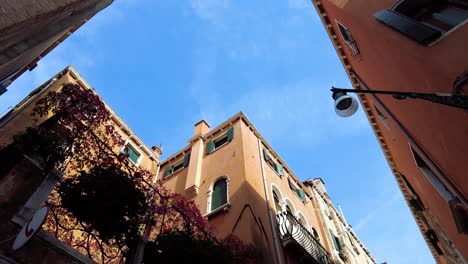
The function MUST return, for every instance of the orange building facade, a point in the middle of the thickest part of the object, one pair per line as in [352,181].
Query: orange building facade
[237,180]
[413,46]
[244,187]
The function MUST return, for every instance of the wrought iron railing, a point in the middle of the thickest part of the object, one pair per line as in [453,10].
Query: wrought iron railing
[291,228]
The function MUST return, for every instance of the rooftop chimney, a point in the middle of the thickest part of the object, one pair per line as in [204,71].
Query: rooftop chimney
[201,127]
[157,151]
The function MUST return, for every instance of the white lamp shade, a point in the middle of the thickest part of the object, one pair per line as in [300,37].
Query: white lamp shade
[346,105]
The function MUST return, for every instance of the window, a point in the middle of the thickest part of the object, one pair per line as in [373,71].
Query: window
[219,195]
[431,177]
[288,209]
[177,166]
[459,212]
[277,202]
[425,20]
[278,168]
[336,241]
[348,38]
[132,153]
[315,234]
[298,191]
[220,141]
[381,116]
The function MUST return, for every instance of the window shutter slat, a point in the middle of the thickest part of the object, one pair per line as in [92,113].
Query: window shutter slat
[334,240]
[210,147]
[279,169]
[265,155]
[301,194]
[219,195]
[291,184]
[230,134]
[168,170]
[407,26]
[186,160]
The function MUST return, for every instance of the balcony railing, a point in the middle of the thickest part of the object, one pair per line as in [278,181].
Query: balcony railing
[291,230]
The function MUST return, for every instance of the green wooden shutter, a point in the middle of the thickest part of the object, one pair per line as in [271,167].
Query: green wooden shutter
[219,195]
[335,240]
[132,154]
[279,169]
[230,134]
[210,147]
[265,155]
[168,170]
[186,160]
[301,194]
[291,184]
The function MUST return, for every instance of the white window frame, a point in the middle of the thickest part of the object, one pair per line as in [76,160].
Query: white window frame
[381,116]
[209,195]
[282,203]
[352,45]
[140,155]
[431,176]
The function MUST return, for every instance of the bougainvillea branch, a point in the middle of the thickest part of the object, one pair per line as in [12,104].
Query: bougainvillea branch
[137,206]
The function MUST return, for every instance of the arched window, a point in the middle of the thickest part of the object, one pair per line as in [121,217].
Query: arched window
[219,195]
[277,202]
[288,209]
[302,220]
[315,234]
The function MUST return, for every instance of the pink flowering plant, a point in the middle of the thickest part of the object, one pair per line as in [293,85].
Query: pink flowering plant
[104,202]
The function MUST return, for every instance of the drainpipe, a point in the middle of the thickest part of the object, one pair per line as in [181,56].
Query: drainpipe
[157,172]
[270,213]
[452,188]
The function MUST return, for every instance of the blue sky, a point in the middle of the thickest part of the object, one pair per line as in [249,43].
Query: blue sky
[164,65]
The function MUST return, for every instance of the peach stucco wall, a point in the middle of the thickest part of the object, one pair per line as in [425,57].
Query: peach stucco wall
[391,61]
[240,161]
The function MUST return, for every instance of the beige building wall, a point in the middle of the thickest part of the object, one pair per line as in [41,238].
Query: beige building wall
[353,251]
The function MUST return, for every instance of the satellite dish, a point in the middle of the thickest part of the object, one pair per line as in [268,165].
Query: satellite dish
[30,228]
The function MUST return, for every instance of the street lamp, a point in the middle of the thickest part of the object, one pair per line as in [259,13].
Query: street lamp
[346,105]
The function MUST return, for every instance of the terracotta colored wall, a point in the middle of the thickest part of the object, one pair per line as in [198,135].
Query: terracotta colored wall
[392,61]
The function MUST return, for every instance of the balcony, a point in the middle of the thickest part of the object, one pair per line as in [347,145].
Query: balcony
[295,237]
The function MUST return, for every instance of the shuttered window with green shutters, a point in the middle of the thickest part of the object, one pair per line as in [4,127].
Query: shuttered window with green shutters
[278,168]
[210,147]
[220,141]
[132,154]
[301,195]
[179,165]
[336,241]
[186,160]
[219,194]
[291,184]
[168,171]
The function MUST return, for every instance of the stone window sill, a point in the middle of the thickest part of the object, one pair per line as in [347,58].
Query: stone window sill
[222,209]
